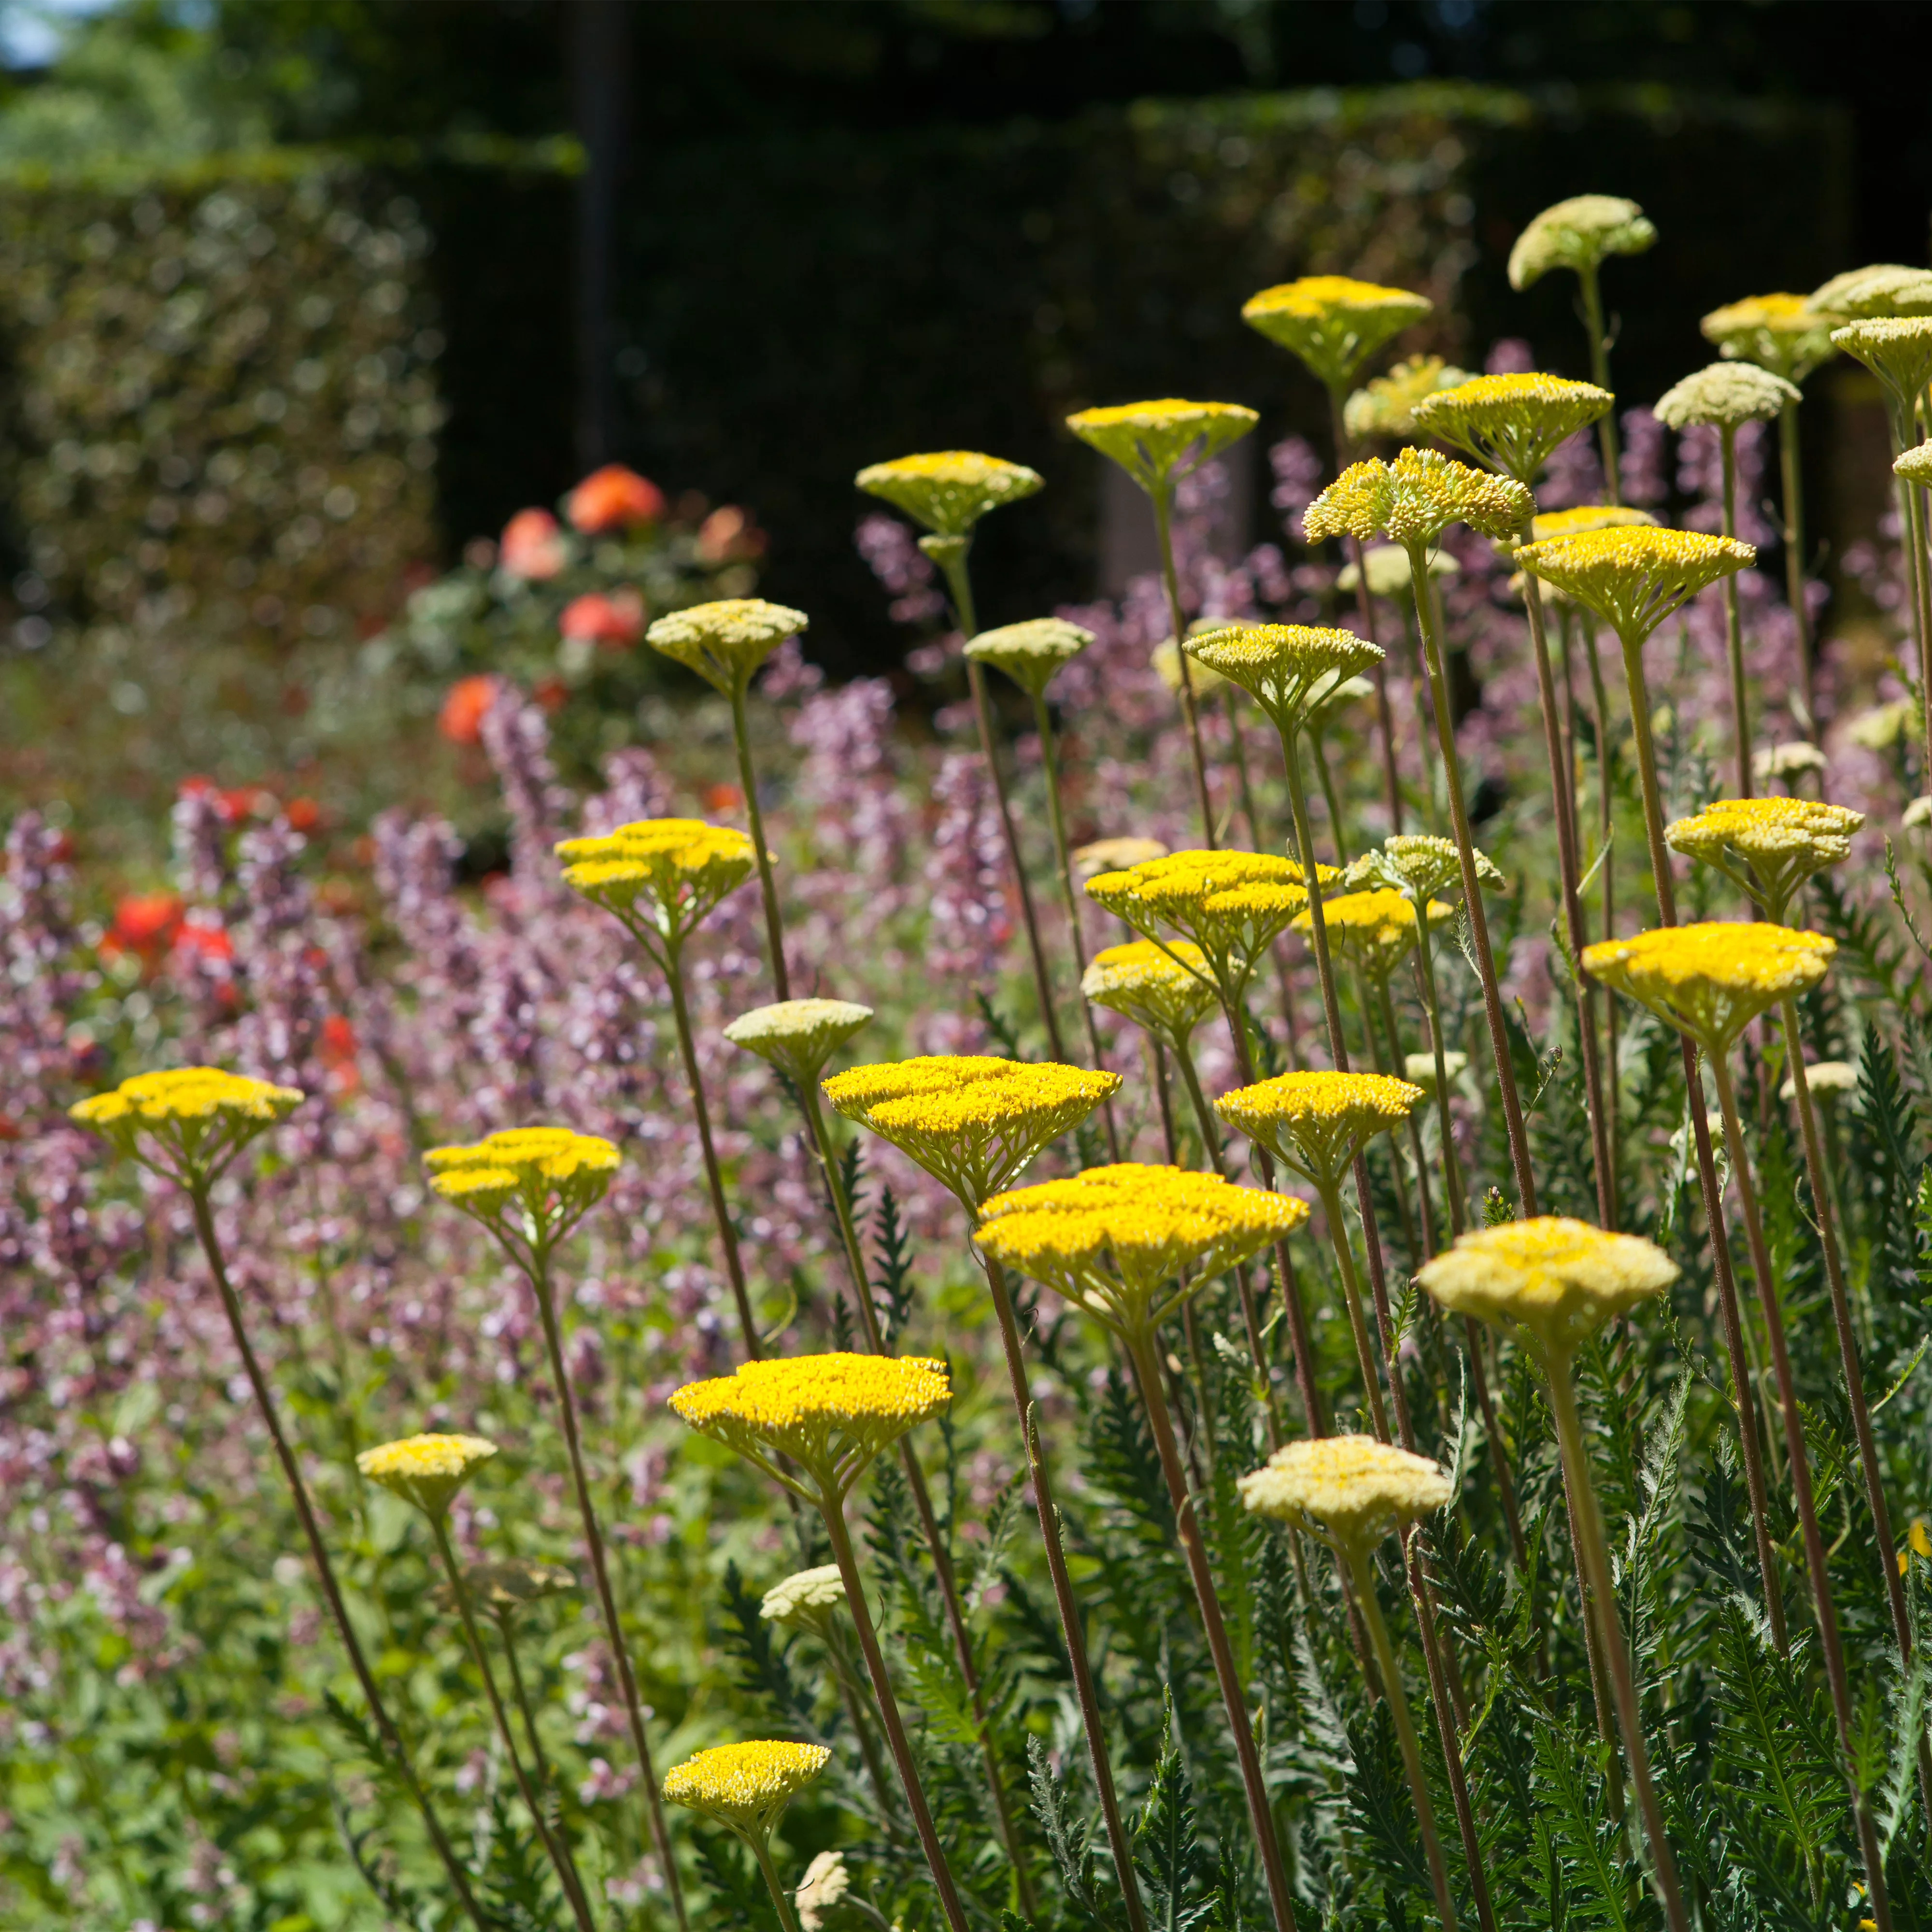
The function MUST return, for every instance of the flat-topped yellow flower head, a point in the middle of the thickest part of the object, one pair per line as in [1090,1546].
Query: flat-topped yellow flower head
[745,1787]
[973,1122]
[1317,1122]
[798,1036]
[1782,333]
[1166,990]
[1581,517]
[187,1122]
[1373,930]
[830,1414]
[1031,652]
[1769,847]
[1633,578]
[1710,981]
[1386,405]
[660,877]
[1512,423]
[1350,1488]
[1284,667]
[1334,323]
[1578,234]
[1418,866]
[1884,291]
[425,1470]
[551,1176]
[806,1600]
[1414,499]
[1158,443]
[1116,1241]
[725,642]
[949,490]
[1725,395]
[1552,1280]
[1898,351]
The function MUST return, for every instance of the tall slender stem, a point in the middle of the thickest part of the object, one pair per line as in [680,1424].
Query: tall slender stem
[1600,374]
[1351,1296]
[1921,617]
[1734,632]
[855,1712]
[1162,500]
[1606,866]
[1244,788]
[1791,477]
[747,783]
[761,1850]
[1365,605]
[1396,1061]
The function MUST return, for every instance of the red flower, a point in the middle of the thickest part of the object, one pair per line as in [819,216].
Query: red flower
[613,498]
[723,798]
[613,623]
[532,545]
[145,924]
[464,707]
[303,814]
[337,1043]
[549,693]
[201,942]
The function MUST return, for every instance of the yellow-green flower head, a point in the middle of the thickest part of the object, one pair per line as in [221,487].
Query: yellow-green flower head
[1511,423]
[972,1122]
[1889,290]
[1581,517]
[949,490]
[1420,1068]
[744,1787]
[1283,666]
[1386,405]
[1577,234]
[1158,443]
[806,1600]
[1167,991]
[553,1175]
[1787,760]
[1633,578]
[1167,667]
[1556,1280]
[1334,323]
[1828,298]
[1915,465]
[798,1036]
[1414,499]
[725,642]
[425,1470]
[1317,1122]
[1898,351]
[1389,572]
[1725,394]
[1373,930]
[194,1118]
[1826,1078]
[1879,729]
[1417,865]
[1116,1240]
[660,876]
[1115,855]
[831,1413]
[1030,653]
[1710,981]
[1767,846]
[1351,1488]
[1782,333]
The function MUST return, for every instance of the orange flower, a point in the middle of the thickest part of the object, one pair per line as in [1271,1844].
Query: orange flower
[145,924]
[532,545]
[303,814]
[723,798]
[200,939]
[613,498]
[464,705]
[727,533]
[612,622]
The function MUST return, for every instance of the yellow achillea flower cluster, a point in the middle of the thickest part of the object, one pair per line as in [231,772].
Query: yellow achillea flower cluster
[1881,291]
[1768,846]
[807,1600]
[1915,465]
[1512,422]
[1116,1240]
[745,1786]
[425,1470]
[1583,516]
[1031,652]
[1898,350]
[1417,865]
[1372,930]
[552,1174]
[798,1036]
[1284,667]
[1725,394]
[1168,991]
[1334,323]
[1577,234]
[831,1413]
[660,877]
[973,1122]
[196,1119]
[1317,1122]
[1555,1279]
[1414,499]
[1350,1488]
[1711,980]
[1150,440]
[1782,333]
[725,642]
[1386,405]
[949,490]
[1634,577]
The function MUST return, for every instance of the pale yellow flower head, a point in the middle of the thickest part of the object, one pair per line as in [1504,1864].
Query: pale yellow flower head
[1167,991]
[1574,522]
[1710,981]
[1879,729]
[1886,291]
[1350,1488]
[1334,323]
[1826,1078]
[1769,847]
[1578,234]
[1418,866]
[1386,405]
[1116,1241]
[1158,443]
[1414,499]
[1373,930]
[1511,423]
[1284,667]
[1388,570]
[660,877]
[949,490]
[1898,351]
[1317,1122]
[1167,667]
[725,642]
[745,1787]
[1556,1280]
[1725,394]
[1782,333]
[1030,653]
[1787,760]
[188,1121]
[807,1600]
[1633,577]
[825,1884]
[973,1122]
[1420,1068]
[1915,465]
[831,1413]
[1828,298]
[1114,855]
[552,1175]
[425,1470]
[798,1036]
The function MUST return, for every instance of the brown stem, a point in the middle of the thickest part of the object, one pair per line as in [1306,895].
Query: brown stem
[1163,506]
[855,1712]
[768,890]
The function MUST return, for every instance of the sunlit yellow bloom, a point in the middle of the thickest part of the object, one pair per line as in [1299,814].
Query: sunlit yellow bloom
[1168,991]
[1782,333]
[191,1121]
[1577,234]
[949,490]
[1769,847]
[425,1470]
[553,1175]
[1511,423]
[1334,323]
[1418,866]
[806,1600]
[798,1036]
[1710,981]
[1150,440]
[1317,1122]
[725,642]
[1583,517]
[1372,930]
[1898,351]
[1030,653]
[1634,577]
[1351,1488]
[1388,570]
[1386,405]
[1725,394]
[1115,855]
[1284,667]
[1115,1241]
[660,877]
[746,1786]
[1414,499]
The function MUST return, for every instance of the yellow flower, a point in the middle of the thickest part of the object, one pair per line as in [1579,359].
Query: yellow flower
[1583,517]
[1334,323]
[1915,465]
[1115,855]
[1828,298]
[973,1122]
[1787,760]
[1725,394]
[1317,1122]
[1781,333]
[1386,405]
[1884,291]
[193,1119]
[1150,440]
[1825,1078]
[1030,653]
[725,642]
[1167,667]
[1420,1068]
[425,1470]
[1779,842]
[1898,351]
[1879,729]
[949,490]
[554,1175]
[744,1787]
[798,1036]
[1351,1488]
[1388,570]
[1372,930]
[1169,991]
[1283,667]
[1577,234]
[1710,981]
[831,1413]
[1512,422]
[806,1600]
[1415,498]
[660,877]
[1418,866]
[1633,578]
[1555,1279]
[1117,1240]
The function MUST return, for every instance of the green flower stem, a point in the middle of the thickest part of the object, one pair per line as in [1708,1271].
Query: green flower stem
[1823,1607]
[1921,612]
[1587,1520]
[1162,500]
[1472,890]
[265,1401]
[1791,477]
[1243,785]
[1418,706]
[1734,632]
[1386,1006]
[552,1841]
[1233,1693]
[748,784]
[855,1712]
[1600,374]
[1338,829]
[506,1629]
[1351,1297]
[761,1850]
[1606,864]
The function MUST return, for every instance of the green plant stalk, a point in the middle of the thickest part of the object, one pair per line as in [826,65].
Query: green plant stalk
[855,1711]
[1922,623]
[1734,631]
[1238,752]
[761,1850]
[1418,708]
[506,1629]
[1600,374]
[1791,477]
[1416,1149]
[1156,1055]
[1351,1297]
[1606,861]
[265,1401]
[1163,499]
[1417,1246]
[748,784]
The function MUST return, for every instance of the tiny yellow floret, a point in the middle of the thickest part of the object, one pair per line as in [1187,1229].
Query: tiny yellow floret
[1157,443]
[192,1120]
[1781,842]
[1332,322]
[1512,422]
[660,877]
